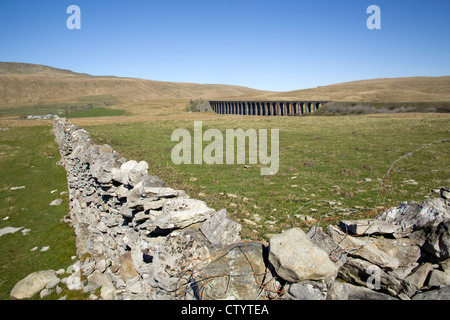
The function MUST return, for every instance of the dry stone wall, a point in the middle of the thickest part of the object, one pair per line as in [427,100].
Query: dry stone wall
[140,239]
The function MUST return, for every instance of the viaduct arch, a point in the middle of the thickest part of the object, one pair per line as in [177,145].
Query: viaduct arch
[266,108]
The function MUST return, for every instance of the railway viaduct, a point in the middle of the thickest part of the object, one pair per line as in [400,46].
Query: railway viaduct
[266,108]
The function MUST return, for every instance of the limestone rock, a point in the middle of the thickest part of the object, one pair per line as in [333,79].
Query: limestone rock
[367,227]
[306,290]
[239,274]
[181,212]
[437,240]
[346,291]
[405,250]
[221,230]
[362,273]
[338,291]
[56,202]
[419,275]
[363,249]
[439,278]
[32,284]
[439,294]
[410,216]
[296,258]
[176,258]
[104,281]
[152,182]
[326,243]
[364,293]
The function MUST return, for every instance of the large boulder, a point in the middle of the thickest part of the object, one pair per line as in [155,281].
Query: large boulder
[176,259]
[296,258]
[239,273]
[32,284]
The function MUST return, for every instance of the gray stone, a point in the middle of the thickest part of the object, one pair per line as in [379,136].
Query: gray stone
[177,258]
[363,293]
[74,281]
[90,287]
[306,290]
[107,292]
[121,174]
[410,216]
[99,279]
[152,182]
[45,292]
[296,258]
[439,294]
[439,278]
[419,275]
[181,212]
[363,249]
[364,273]
[32,284]
[445,265]
[154,204]
[437,240]
[7,230]
[367,227]
[137,173]
[53,283]
[221,230]
[56,202]
[326,243]
[405,250]
[158,192]
[241,273]
[337,291]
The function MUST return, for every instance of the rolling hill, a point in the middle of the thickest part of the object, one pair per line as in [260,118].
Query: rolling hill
[418,89]
[30,84]
[23,84]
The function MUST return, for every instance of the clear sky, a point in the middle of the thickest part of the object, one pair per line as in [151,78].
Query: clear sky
[274,45]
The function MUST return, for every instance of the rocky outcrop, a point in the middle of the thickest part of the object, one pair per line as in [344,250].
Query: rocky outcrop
[139,239]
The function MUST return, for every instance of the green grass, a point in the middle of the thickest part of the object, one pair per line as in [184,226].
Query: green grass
[323,164]
[28,157]
[89,106]
[96,112]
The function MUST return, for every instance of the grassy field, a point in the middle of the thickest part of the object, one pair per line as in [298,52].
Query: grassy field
[28,157]
[89,106]
[330,167]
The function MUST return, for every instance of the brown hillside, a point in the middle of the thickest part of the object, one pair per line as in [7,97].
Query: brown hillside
[377,90]
[23,84]
[27,84]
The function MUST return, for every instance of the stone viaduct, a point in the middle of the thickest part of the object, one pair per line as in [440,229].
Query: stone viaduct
[266,108]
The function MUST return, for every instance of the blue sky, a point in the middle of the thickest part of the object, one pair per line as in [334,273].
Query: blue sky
[271,45]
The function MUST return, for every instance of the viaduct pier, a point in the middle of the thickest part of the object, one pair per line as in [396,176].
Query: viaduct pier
[266,108]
